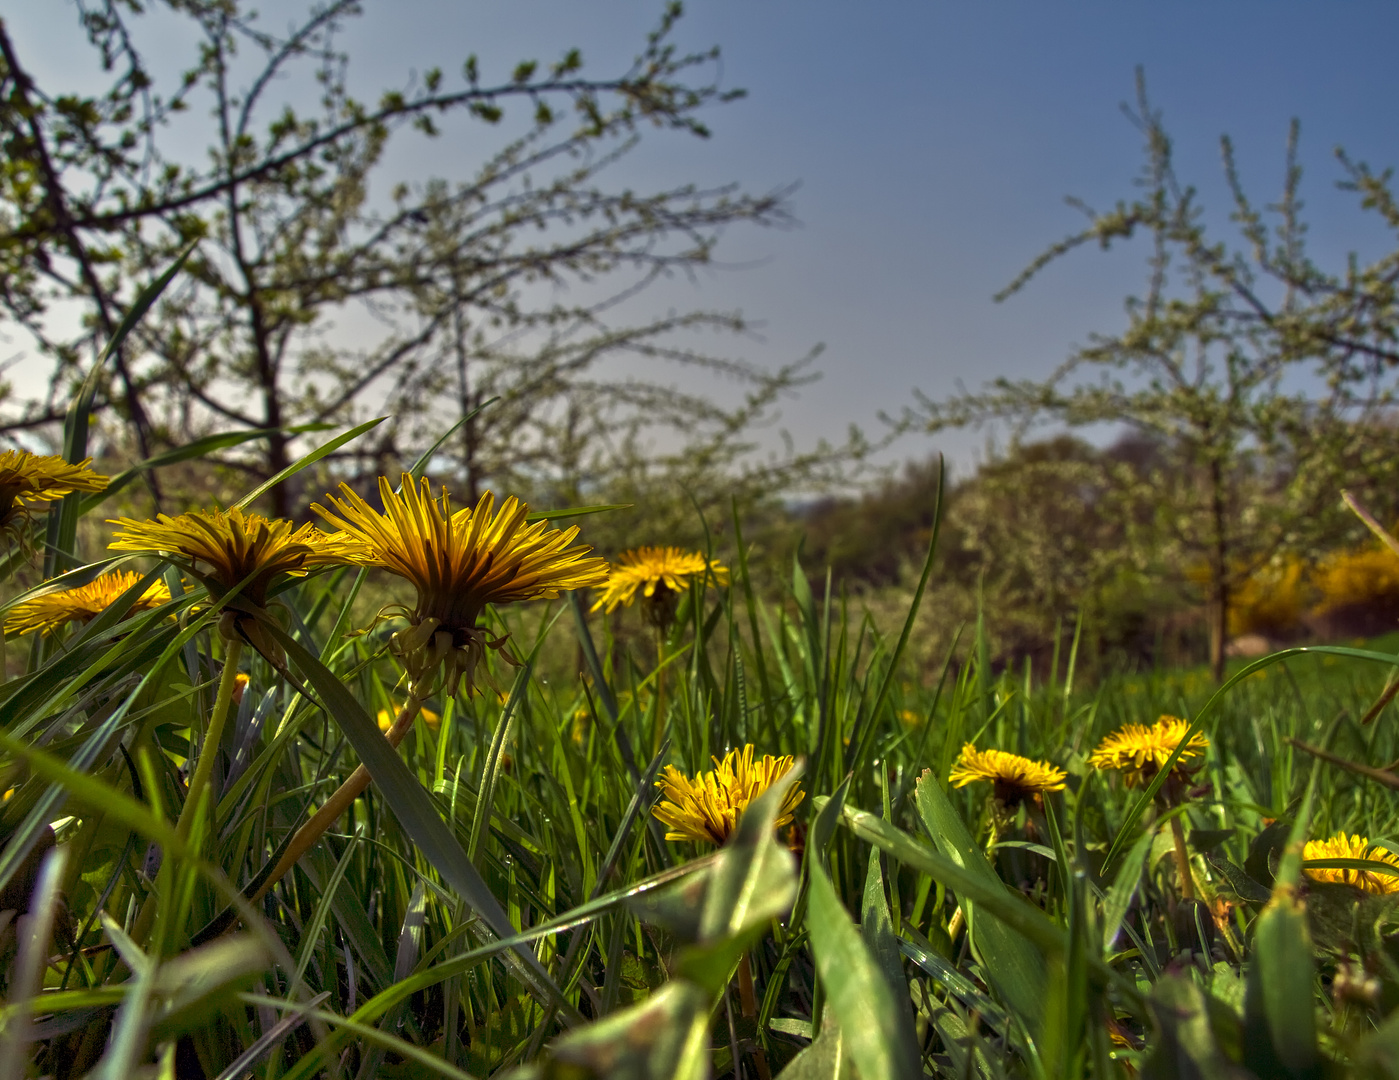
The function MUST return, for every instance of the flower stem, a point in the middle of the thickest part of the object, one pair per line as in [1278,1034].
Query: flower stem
[338,803]
[658,724]
[209,749]
[1187,879]
[750,1010]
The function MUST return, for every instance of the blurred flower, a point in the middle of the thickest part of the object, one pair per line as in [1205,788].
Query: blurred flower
[661,574]
[459,561]
[386,719]
[1342,846]
[708,807]
[1138,751]
[1014,778]
[909,718]
[240,686]
[27,479]
[582,721]
[53,610]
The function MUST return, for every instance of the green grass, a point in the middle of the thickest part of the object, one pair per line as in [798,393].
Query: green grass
[377,945]
[501,902]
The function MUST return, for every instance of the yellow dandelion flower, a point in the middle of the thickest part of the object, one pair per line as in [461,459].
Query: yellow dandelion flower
[1138,751]
[1341,846]
[459,561]
[660,574]
[708,808]
[28,479]
[225,548]
[1014,778]
[53,610]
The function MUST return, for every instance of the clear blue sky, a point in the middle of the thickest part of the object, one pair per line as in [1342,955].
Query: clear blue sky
[934,143]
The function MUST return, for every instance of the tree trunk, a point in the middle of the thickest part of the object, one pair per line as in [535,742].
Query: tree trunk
[467,404]
[1219,622]
[1219,572]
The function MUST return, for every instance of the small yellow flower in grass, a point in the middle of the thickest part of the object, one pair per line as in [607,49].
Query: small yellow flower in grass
[53,610]
[226,548]
[1138,751]
[708,808]
[661,574]
[28,479]
[1014,779]
[1342,846]
[459,561]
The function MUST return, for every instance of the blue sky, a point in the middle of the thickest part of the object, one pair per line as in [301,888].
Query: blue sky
[933,144]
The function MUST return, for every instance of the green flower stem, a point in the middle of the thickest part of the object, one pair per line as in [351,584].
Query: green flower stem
[1187,879]
[658,725]
[209,749]
[338,803]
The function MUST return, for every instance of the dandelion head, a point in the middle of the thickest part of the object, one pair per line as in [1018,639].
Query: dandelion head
[27,480]
[658,575]
[708,807]
[1014,779]
[1139,752]
[230,550]
[1341,846]
[52,611]
[459,561]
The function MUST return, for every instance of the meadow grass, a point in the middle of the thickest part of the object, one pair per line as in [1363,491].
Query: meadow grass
[502,900]
[372,959]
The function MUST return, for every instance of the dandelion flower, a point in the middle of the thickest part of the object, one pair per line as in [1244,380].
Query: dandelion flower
[27,479]
[1139,751]
[227,548]
[1341,846]
[459,561]
[1014,778]
[234,547]
[53,610]
[661,574]
[708,808]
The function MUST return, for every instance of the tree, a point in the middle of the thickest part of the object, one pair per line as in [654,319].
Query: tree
[1265,381]
[458,282]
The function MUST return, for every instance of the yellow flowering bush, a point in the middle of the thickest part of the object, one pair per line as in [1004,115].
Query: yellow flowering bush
[1366,576]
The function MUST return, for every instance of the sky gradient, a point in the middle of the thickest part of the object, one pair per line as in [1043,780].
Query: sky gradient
[933,144]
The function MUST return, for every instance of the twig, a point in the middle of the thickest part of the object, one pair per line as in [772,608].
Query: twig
[1388,779]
